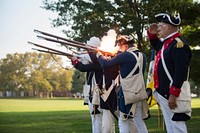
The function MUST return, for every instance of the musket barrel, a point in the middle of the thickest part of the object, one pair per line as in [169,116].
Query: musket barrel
[47,51]
[67,44]
[58,37]
[63,53]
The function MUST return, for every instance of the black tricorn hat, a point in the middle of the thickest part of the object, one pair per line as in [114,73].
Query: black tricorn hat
[163,17]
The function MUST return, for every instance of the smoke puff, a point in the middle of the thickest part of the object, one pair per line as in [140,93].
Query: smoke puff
[94,41]
[111,32]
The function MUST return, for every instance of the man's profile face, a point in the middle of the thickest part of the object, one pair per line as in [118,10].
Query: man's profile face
[163,29]
[123,47]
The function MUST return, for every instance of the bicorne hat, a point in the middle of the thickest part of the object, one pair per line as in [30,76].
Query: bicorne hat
[163,17]
[124,39]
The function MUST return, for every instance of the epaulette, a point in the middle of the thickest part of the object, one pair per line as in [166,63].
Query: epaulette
[179,43]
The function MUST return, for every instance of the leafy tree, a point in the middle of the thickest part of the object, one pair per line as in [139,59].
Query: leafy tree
[40,84]
[194,69]
[65,79]
[12,73]
[33,72]
[54,81]
[192,34]
[95,17]
[52,77]
[78,81]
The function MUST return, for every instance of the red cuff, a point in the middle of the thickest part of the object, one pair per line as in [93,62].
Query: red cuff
[175,91]
[75,62]
[151,36]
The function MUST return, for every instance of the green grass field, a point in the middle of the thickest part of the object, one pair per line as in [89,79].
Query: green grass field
[59,115]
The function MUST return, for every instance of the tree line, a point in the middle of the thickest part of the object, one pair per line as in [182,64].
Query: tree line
[39,75]
[36,74]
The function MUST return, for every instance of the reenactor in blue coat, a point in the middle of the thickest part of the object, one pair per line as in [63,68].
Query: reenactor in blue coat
[171,70]
[131,64]
[90,65]
[100,80]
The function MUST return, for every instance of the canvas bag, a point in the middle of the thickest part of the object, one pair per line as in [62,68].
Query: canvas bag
[184,99]
[133,86]
[95,92]
[86,91]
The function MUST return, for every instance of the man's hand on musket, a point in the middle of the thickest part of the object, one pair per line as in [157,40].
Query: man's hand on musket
[74,60]
[99,54]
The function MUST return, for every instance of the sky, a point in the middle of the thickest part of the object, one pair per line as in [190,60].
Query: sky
[18,20]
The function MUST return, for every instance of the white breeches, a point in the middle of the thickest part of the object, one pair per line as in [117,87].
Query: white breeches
[108,122]
[138,119]
[172,126]
[96,120]
[127,126]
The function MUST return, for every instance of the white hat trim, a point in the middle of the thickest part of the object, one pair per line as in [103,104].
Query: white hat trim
[178,17]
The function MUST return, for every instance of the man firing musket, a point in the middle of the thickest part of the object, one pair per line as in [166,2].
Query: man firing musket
[99,80]
[67,42]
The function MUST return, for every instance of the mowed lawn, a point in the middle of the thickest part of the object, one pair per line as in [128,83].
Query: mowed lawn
[61,115]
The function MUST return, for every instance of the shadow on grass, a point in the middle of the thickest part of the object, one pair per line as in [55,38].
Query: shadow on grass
[71,122]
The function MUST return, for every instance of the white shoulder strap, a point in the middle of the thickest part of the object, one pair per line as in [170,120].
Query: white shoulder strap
[104,82]
[137,63]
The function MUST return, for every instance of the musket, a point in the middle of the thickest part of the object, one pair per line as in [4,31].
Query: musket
[78,52]
[47,51]
[52,50]
[86,47]
[58,37]
[67,43]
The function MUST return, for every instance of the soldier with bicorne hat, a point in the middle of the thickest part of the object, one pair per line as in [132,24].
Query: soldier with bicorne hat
[131,64]
[171,69]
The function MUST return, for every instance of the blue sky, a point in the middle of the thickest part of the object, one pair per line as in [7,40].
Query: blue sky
[18,20]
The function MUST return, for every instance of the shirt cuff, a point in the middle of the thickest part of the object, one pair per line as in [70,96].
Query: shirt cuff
[98,54]
[152,36]
[175,91]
